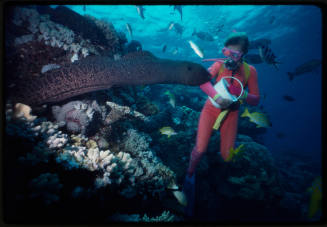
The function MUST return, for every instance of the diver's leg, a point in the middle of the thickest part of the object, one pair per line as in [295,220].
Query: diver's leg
[207,119]
[228,133]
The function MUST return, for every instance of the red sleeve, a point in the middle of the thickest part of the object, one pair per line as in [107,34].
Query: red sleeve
[207,87]
[253,82]
[253,97]
[214,69]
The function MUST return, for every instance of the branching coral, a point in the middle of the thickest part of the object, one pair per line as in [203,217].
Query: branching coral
[134,168]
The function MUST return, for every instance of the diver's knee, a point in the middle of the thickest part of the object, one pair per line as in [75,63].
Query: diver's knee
[224,154]
[199,149]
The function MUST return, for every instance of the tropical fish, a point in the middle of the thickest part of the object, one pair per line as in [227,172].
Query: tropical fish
[196,49]
[179,9]
[315,197]
[233,152]
[268,56]
[272,19]
[259,119]
[129,29]
[172,186]
[167,131]
[171,25]
[178,28]
[288,98]
[164,48]
[255,44]
[175,51]
[306,67]
[172,99]
[140,11]
[203,35]
[253,59]
[181,197]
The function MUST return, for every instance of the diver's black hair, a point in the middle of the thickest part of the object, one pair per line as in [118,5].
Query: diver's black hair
[238,38]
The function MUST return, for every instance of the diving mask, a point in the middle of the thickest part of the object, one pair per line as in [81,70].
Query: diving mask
[233,57]
[233,54]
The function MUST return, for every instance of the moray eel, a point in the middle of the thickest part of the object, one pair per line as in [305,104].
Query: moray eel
[96,73]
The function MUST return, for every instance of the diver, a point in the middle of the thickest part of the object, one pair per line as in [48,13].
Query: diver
[226,116]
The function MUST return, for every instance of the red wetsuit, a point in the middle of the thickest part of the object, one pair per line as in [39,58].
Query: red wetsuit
[209,114]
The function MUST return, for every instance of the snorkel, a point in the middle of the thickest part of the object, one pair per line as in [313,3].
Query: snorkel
[232,57]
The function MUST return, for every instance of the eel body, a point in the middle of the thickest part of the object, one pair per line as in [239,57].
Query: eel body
[96,73]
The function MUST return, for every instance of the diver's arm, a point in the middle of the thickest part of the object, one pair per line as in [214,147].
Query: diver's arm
[207,87]
[252,97]
[214,69]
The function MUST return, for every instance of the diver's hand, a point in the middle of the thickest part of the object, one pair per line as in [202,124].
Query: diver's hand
[223,103]
[234,90]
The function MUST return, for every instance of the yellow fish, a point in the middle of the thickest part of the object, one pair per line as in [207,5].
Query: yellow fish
[172,99]
[259,119]
[316,196]
[233,152]
[167,131]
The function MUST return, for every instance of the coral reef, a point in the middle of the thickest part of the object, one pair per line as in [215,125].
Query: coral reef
[166,216]
[114,40]
[260,181]
[133,167]
[39,36]
[78,23]
[23,111]
[77,115]
[46,188]
[118,112]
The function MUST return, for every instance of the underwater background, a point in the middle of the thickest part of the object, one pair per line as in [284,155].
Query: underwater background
[117,163]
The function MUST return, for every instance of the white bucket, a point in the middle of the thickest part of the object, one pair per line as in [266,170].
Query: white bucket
[221,88]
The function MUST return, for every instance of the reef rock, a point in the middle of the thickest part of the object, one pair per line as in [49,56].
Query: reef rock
[252,174]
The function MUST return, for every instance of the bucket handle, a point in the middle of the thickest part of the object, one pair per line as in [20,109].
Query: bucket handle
[238,82]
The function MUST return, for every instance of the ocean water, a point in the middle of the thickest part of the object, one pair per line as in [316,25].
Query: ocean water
[295,32]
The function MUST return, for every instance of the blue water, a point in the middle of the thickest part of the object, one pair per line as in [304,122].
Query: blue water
[296,35]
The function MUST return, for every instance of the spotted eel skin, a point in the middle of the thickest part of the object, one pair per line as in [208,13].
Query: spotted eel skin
[96,73]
